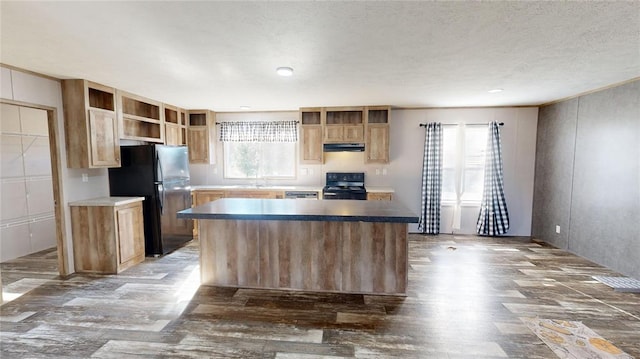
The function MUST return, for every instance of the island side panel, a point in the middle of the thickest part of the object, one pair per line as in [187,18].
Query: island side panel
[331,257]
[401,231]
[354,257]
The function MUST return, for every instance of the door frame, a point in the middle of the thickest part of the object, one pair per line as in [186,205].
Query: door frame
[56,179]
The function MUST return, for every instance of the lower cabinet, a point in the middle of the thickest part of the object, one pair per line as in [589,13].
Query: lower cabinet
[379,196]
[107,237]
[201,197]
[254,194]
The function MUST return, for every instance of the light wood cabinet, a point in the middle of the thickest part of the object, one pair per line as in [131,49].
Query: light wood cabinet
[91,126]
[201,197]
[174,126]
[253,194]
[368,125]
[201,136]
[311,144]
[311,123]
[377,134]
[141,119]
[344,125]
[379,196]
[107,238]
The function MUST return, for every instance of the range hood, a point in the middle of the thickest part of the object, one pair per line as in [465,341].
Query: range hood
[343,147]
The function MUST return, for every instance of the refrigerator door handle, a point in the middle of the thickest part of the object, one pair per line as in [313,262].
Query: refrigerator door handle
[160,171]
[161,183]
[161,196]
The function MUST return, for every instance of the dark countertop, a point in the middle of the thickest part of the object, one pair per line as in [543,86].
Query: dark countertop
[302,210]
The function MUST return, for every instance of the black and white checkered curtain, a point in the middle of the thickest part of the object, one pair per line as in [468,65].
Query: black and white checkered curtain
[494,217]
[259,131]
[431,180]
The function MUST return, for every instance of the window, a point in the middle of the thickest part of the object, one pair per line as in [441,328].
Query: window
[463,159]
[259,149]
[259,159]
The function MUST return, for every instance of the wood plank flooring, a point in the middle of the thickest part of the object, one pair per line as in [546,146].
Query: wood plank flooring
[466,296]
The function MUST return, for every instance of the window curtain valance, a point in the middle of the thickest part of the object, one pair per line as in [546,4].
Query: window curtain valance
[259,131]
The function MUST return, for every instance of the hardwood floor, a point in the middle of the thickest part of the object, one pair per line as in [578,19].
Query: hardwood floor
[465,300]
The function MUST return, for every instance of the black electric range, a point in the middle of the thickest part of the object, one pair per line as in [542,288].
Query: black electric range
[344,185]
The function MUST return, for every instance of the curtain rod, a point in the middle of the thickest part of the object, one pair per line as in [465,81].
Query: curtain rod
[455,124]
[217,123]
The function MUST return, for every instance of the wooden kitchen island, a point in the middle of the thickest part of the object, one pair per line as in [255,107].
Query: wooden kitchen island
[331,245]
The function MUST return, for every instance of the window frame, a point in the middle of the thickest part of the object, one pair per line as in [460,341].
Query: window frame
[225,174]
[462,168]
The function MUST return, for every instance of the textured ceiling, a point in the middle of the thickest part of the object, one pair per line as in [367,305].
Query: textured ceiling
[222,55]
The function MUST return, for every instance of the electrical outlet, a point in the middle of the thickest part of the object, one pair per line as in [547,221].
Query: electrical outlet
[557,228]
[384,171]
[377,172]
[304,172]
[311,171]
[85,177]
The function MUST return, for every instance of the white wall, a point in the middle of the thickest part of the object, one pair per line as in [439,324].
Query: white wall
[404,170]
[36,90]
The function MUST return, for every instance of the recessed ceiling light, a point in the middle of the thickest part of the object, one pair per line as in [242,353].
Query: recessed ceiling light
[245,107]
[284,71]
[495,90]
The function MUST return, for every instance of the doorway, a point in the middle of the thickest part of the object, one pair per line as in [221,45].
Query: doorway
[32,212]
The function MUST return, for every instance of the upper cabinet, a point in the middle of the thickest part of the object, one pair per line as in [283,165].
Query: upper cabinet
[368,125]
[91,125]
[201,136]
[311,121]
[175,126]
[376,145]
[141,119]
[344,124]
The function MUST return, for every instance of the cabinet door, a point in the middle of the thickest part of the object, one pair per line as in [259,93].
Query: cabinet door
[198,139]
[202,197]
[172,134]
[311,143]
[377,144]
[206,197]
[379,196]
[251,194]
[130,233]
[104,139]
[353,133]
[333,133]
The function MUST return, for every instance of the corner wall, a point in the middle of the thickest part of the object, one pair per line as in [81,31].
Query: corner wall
[588,177]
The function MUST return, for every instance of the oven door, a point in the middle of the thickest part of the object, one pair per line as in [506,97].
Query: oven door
[344,195]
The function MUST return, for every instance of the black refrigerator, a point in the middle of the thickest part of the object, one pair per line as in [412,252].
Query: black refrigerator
[160,174]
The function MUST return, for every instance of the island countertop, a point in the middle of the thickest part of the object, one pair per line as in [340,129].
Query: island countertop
[301,210]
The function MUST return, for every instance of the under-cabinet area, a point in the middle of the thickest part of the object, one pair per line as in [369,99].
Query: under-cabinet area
[108,234]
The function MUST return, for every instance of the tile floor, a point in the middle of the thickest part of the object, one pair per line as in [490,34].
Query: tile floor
[466,297]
